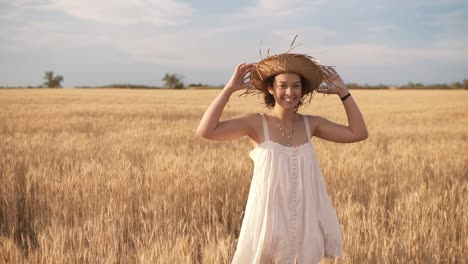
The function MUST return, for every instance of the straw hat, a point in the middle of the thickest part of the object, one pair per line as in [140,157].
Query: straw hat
[302,64]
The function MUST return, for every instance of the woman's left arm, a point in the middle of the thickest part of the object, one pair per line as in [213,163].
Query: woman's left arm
[325,129]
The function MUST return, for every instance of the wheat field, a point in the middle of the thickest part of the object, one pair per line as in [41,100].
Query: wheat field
[118,176]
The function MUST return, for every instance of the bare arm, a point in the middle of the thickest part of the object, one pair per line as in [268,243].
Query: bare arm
[356,129]
[210,127]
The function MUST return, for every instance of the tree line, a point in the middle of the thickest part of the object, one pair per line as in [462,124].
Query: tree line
[174,81]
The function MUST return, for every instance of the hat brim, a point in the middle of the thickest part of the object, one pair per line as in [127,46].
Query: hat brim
[286,63]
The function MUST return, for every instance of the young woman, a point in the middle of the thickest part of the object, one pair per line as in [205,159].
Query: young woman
[289,217]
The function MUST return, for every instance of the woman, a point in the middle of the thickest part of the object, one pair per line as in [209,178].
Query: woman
[289,217]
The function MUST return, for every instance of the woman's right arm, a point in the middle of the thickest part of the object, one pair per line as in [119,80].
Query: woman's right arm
[210,127]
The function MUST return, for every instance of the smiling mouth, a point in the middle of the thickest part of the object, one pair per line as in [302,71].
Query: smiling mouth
[289,99]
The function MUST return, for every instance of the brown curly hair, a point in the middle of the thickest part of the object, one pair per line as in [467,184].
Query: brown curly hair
[306,90]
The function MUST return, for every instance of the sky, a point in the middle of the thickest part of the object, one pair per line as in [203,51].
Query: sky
[101,42]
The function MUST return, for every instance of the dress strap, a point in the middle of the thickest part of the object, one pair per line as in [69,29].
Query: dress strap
[306,123]
[266,133]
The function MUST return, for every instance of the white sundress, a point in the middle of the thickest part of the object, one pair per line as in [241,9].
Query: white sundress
[289,217]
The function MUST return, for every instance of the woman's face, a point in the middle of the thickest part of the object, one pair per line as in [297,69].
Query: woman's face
[287,90]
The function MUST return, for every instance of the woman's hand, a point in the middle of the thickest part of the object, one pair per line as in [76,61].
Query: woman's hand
[238,79]
[356,129]
[336,86]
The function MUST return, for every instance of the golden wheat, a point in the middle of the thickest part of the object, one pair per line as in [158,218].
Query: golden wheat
[118,176]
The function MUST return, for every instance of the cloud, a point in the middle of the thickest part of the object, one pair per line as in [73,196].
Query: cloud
[383,55]
[276,10]
[123,12]
[276,5]
[127,34]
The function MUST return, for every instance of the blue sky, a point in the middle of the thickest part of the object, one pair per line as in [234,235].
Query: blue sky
[93,42]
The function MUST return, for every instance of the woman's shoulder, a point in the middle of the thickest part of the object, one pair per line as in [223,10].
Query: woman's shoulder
[313,120]
[312,117]
[254,122]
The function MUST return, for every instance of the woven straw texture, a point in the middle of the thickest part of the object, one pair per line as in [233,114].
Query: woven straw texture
[285,63]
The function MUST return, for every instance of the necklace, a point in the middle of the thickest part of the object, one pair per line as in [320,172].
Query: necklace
[283,131]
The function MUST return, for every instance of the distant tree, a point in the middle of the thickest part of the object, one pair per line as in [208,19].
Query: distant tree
[199,85]
[352,86]
[465,84]
[457,85]
[173,81]
[52,81]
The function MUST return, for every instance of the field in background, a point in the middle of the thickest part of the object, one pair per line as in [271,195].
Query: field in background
[118,176]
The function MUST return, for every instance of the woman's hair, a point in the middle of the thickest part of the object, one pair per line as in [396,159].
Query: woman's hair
[269,100]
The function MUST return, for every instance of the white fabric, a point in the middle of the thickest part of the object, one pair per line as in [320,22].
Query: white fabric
[289,216]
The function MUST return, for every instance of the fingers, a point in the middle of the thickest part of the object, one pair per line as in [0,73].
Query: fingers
[323,91]
[244,66]
[329,73]
[333,84]
[241,77]
[330,90]
[244,69]
[332,79]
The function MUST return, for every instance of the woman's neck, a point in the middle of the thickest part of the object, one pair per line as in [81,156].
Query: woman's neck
[286,116]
